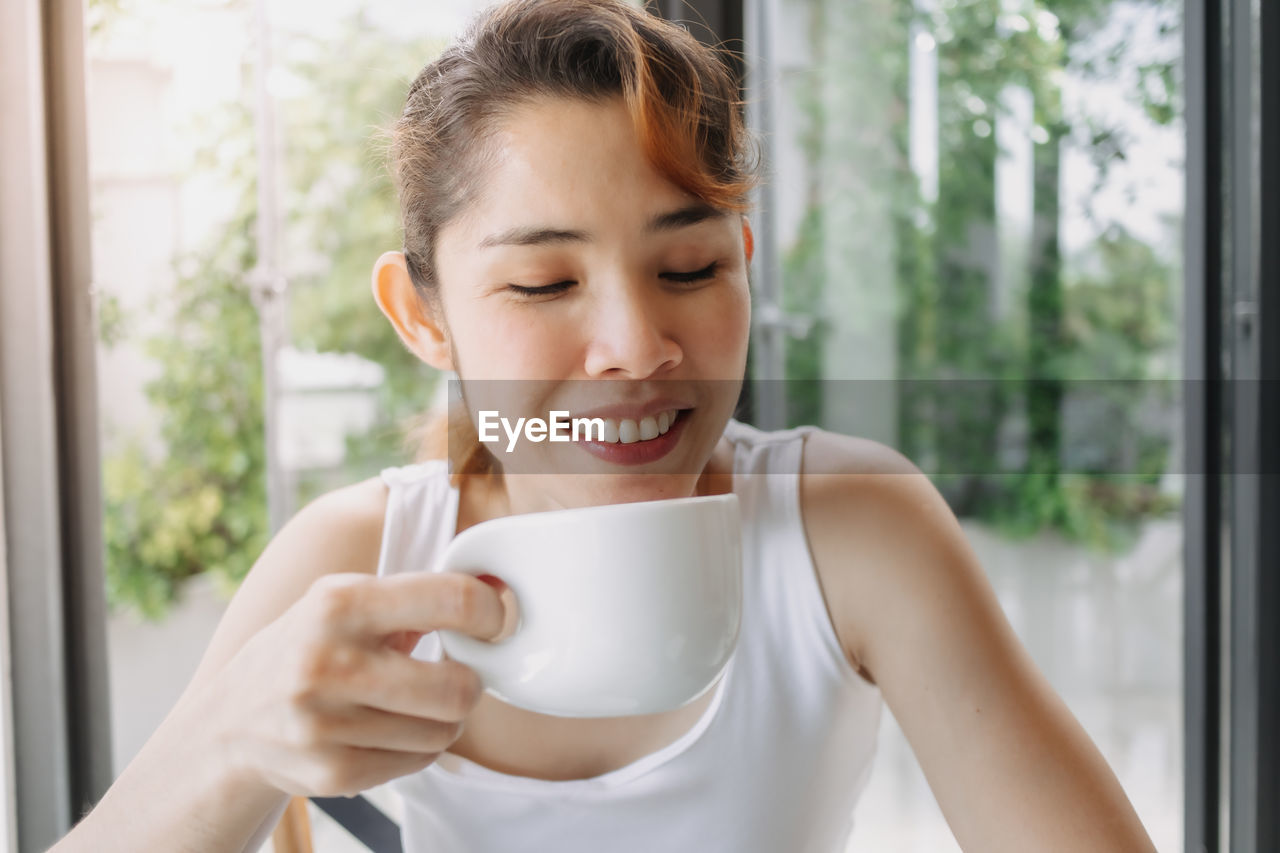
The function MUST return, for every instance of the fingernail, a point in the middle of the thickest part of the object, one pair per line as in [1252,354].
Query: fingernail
[495,582]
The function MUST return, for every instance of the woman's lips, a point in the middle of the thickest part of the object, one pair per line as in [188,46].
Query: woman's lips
[628,445]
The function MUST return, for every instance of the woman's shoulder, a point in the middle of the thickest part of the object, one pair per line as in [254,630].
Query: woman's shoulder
[847,472]
[357,512]
[865,508]
[827,452]
[355,508]
[338,531]
[850,482]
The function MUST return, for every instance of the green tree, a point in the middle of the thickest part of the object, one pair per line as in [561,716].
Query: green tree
[198,503]
[965,370]
[342,206]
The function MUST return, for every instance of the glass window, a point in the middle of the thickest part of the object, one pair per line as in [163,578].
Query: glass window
[975,211]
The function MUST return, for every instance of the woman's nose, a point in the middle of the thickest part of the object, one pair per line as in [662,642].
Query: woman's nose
[629,335]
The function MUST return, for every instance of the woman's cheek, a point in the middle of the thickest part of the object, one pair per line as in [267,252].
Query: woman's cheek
[531,346]
[492,345]
[714,336]
[734,326]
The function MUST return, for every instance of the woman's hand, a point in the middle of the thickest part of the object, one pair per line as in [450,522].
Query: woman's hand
[326,701]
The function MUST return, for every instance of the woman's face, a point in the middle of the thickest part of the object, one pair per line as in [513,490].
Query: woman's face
[579,262]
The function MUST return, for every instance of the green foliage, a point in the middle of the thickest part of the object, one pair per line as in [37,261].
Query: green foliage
[802,297]
[197,502]
[112,319]
[343,203]
[965,370]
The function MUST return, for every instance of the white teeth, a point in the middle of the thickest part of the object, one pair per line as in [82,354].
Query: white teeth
[628,431]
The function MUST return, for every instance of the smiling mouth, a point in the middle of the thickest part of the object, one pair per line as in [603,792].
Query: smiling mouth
[629,431]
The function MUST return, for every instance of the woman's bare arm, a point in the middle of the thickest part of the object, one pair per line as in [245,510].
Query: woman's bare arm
[178,793]
[1010,766]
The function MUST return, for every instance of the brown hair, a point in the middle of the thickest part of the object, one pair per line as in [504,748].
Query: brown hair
[680,94]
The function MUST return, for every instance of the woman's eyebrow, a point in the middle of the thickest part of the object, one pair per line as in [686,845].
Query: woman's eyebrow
[527,235]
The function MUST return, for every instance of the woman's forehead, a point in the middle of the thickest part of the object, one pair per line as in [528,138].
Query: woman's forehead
[571,146]
[558,163]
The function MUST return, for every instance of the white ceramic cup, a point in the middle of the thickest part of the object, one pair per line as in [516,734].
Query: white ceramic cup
[629,608]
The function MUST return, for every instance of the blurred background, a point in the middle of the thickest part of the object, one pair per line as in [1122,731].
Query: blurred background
[983,195]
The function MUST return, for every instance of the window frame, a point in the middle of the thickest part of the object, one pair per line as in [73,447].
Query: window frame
[59,704]
[1250,141]
[1203,421]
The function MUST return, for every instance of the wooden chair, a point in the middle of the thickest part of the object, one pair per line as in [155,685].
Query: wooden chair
[293,833]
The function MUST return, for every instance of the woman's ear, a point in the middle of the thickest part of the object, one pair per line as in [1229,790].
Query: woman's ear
[422,333]
[748,239]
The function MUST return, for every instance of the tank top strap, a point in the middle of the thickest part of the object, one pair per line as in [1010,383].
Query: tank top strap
[421,517]
[767,471]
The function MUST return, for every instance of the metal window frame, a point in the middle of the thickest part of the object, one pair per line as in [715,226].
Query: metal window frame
[1202,509]
[1232,350]
[59,701]
[1251,144]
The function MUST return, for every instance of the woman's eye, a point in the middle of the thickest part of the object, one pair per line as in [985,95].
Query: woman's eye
[703,274]
[697,275]
[558,287]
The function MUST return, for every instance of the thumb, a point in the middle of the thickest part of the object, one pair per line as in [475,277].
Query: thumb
[510,609]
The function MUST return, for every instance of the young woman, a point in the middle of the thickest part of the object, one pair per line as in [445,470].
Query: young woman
[573,177]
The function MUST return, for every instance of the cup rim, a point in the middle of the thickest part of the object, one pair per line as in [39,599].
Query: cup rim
[588,511]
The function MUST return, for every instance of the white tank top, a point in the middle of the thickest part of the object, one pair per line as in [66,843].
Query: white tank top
[777,760]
